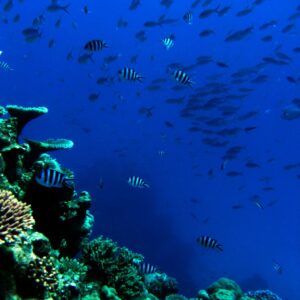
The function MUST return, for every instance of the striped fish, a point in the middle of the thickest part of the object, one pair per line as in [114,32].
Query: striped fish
[182,77]
[5,66]
[137,182]
[168,42]
[130,74]
[208,242]
[51,178]
[95,45]
[188,17]
[146,268]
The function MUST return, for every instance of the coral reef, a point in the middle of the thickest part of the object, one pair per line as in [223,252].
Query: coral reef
[45,225]
[262,295]
[15,218]
[113,266]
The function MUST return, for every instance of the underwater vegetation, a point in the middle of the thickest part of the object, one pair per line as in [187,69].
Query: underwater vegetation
[45,251]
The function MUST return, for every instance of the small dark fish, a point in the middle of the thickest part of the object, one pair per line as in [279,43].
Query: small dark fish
[264,26]
[166,3]
[244,12]
[94,97]
[222,64]
[95,45]
[8,5]
[137,182]
[151,24]
[277,267]
[55,7]
[208,242]
[207,13]
[101,183]
[251,165]
[292,79]
[195,3]
[234,174]
[134,4]
[288,28]
[51,178]
[206,32]
[141,36]
[130,74]
[51,43]
[122,23]
[85,58]
[239,35]
[16,18]
[237,206]
[57,23]
[86,10]
[169,124]
[223,11]
[38,21]
[267,38]
[188,17]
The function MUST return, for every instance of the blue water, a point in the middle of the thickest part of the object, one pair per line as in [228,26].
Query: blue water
[189,194]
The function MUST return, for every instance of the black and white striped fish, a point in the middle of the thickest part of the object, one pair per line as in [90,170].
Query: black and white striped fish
[182,77]
[208,242]
[188,17]
[130,74]
[53,179]
[5,66]
[168,42]
[137,182]
[146,268]
[95,45]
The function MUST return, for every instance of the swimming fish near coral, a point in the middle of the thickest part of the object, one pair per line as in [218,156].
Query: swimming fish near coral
[51,178]
[95,45]
[130,74]
[146,268]
[208,242]
[188,17]
[137,182]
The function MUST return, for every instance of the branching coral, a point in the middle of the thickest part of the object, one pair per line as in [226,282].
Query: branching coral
[113,266]
[15,218]
[42,276]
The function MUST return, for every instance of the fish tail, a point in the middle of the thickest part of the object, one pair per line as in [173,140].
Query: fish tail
[220,247]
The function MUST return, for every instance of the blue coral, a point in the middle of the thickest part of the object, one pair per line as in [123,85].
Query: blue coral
[263,295]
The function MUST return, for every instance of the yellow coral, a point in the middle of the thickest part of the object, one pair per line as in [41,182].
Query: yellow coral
[15,217]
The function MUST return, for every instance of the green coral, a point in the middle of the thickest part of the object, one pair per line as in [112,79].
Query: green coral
[225,284]
[223,294]
[112,266]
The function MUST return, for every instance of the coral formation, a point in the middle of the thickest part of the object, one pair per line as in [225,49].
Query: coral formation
[113,266]
[263,295]
[15,218]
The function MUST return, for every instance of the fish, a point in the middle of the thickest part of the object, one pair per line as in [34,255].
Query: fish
[93,97]
[95,45]
[51,43]
[101,183]
[55,7]
[145,268]
[134,4]
[188,17]
[8,5]
[52,178]
[277,267]
[86,10]
[239,35]
[5,66]
[208,242]
[206,32]
[130,74]
[85,58]
[137,182]
[182,77]
[168,42]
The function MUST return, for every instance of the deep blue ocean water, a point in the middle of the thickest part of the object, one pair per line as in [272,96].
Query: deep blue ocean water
[189,195]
